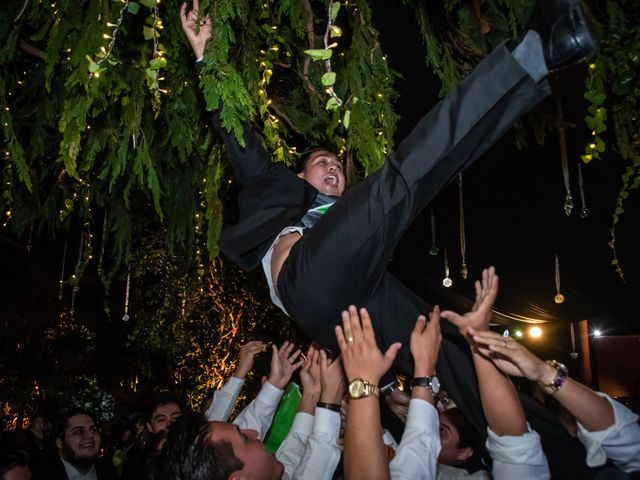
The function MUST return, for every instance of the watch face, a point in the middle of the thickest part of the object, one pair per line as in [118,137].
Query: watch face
[435,384]
[356,388]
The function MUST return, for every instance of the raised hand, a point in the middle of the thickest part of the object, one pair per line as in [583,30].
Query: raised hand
[332,378]
[248,353]
[511,357]
[425,344]
[398,403]
[310,373]
[283,364]
[361,356]
[480,314]
[196,29]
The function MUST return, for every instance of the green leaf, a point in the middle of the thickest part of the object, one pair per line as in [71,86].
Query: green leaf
[328,79]
[153,74]
[133,8]
[595,97]
[335,8]
[319,54]
[335,31]
[147,3]
[158,63]
[346,119]
[148,32]
[93,66]
[332,104]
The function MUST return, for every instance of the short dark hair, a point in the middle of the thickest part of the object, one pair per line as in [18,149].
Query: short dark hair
[188,454]
[161,399]
[301,163]
[468,436]
[63,421]
[12,458]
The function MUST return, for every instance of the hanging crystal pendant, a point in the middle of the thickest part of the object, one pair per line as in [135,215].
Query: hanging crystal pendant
[447,282]
[584,211]
[125,317]
[559,298]
[464,272]
[568,205]
[433,250]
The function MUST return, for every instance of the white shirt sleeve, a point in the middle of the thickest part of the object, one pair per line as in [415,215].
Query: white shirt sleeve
[417,455]
[259,413]
[224,400]
[322,453]
[619,443]
[292,447]
[517,456]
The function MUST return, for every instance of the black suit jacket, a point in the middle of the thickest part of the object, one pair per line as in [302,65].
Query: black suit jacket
[53,469]
[272,198]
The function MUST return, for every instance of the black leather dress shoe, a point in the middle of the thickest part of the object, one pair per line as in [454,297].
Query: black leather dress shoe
[565,35]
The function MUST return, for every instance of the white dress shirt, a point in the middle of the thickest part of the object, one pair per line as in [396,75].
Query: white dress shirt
[74,474]
[310,451]
[619,443]
[224,400]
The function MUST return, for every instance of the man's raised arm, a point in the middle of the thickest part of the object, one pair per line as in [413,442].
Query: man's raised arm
[251,161]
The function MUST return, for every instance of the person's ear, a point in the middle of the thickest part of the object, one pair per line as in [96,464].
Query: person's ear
[59,443]
[238,475]
[300,175]
[464,454]
[149,427]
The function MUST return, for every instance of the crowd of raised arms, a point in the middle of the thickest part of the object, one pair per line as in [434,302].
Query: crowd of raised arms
[324,252]
[337,432]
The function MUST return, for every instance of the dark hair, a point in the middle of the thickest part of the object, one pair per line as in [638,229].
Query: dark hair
[188,454]
[63,421]
[301,163]
[12,458]
[468,436]
[161,399]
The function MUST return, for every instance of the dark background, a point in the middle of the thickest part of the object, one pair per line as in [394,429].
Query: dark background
[514,216]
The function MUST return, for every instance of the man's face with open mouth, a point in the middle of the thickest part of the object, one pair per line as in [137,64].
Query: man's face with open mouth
[81,440]
[324,171]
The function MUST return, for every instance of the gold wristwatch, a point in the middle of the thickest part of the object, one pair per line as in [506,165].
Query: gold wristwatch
[359,388]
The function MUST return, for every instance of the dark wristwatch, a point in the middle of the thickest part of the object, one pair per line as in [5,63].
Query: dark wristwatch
[430,383]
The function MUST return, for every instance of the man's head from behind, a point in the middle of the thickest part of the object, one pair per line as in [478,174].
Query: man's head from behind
[323,170]
[14,465]
[78,439]
[458,439]
[165,409]
[196,449]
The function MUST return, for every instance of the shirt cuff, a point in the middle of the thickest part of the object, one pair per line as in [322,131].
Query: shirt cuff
[302,423]
[422,415]
[327,421]
[269,394]
[235,382]
[593,441]
[512,449]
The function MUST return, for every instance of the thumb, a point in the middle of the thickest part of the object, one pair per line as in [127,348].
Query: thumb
[392,351]
[453,317]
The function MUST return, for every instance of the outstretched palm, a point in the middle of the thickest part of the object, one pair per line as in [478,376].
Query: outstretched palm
[480,315]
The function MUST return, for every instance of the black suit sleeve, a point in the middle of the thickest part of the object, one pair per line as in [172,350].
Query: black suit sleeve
[248,162]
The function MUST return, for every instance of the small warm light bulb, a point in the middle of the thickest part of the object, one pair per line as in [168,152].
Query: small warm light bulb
[535,332]
[597,333]
[518,333]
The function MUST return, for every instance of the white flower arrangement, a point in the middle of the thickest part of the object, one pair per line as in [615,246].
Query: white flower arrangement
[93,399]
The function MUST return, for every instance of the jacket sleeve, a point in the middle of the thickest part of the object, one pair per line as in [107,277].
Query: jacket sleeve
[248,162]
